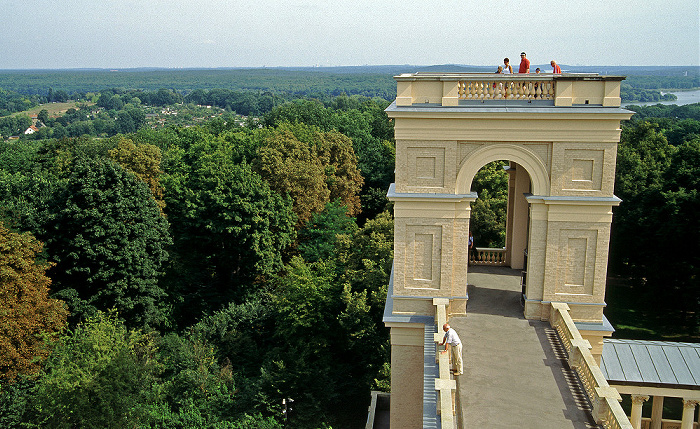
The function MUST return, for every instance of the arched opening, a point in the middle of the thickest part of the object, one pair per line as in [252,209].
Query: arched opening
[502,175]
[487,222]
[512,152]
[499,219]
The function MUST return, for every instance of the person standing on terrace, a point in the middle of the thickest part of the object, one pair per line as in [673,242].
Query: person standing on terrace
[455,343]
[507,68]
[555,67]
[524,64]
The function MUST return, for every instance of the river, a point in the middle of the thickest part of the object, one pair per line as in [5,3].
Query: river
[684,97]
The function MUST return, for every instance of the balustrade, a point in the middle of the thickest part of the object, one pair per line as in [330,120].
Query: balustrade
[604,399]
[502,88]
[455,89]
[489,256]
[446,387]
[666,424]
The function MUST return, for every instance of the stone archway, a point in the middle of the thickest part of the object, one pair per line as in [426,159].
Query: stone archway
[563,145]
[528,174]
[519,154]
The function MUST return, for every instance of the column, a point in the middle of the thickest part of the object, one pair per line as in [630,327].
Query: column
[688,413]
[657,410]
[520,218]
[509,211]
[636,416]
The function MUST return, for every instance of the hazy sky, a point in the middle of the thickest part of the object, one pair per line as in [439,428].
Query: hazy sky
[253,33]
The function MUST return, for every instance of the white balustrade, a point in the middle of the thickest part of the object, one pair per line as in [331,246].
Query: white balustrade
[604,398]
[489,256]
[506,88]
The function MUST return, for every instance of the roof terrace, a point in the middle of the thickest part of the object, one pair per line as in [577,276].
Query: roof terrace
[495,90]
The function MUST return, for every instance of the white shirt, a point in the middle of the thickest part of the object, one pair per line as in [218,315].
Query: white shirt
[451,337]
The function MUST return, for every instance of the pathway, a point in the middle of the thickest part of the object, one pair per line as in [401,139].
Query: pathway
[514,374]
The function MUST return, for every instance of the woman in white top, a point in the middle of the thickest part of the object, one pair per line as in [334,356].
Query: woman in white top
[507,68]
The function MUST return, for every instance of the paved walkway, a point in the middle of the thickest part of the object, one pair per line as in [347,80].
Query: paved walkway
[514,375]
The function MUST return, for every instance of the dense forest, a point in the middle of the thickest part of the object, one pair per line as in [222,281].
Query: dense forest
[228,272]
[198,276]
[655,243]
[323,83]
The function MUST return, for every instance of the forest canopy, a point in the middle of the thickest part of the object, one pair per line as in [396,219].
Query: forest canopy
[198,272]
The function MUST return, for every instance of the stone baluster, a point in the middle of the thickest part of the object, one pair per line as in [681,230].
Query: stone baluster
[550,90]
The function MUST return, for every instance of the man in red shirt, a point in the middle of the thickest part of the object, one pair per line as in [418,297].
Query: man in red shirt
[555,67]
[524,64]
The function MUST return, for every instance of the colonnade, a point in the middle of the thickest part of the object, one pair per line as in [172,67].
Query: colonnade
[688,420]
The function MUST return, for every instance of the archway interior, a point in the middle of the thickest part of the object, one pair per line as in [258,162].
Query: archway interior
[499,218]
[489,212]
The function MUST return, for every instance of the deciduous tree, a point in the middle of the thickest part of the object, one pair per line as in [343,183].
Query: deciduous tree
[142,160]
[109,243]
[28,316]
[98,376]
[291,167]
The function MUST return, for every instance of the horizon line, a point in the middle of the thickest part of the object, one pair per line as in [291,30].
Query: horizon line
[315,67]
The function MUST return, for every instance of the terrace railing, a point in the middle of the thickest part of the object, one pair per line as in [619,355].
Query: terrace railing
[604,398]
[446,386]
[488,256]
[455,89]
[502,87]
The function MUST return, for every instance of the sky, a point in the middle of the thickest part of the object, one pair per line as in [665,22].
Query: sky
[270,33]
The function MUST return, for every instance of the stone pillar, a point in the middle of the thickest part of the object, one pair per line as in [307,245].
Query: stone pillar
[431,251]
[657,410]
[576,253]
[509,211]
[519,218]
[536,252]
[688,413]
[636,415]
[406,405]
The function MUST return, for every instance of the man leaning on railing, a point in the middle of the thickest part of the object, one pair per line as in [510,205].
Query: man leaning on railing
[455,343]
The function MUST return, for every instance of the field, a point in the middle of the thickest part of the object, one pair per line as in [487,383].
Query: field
[55,109]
